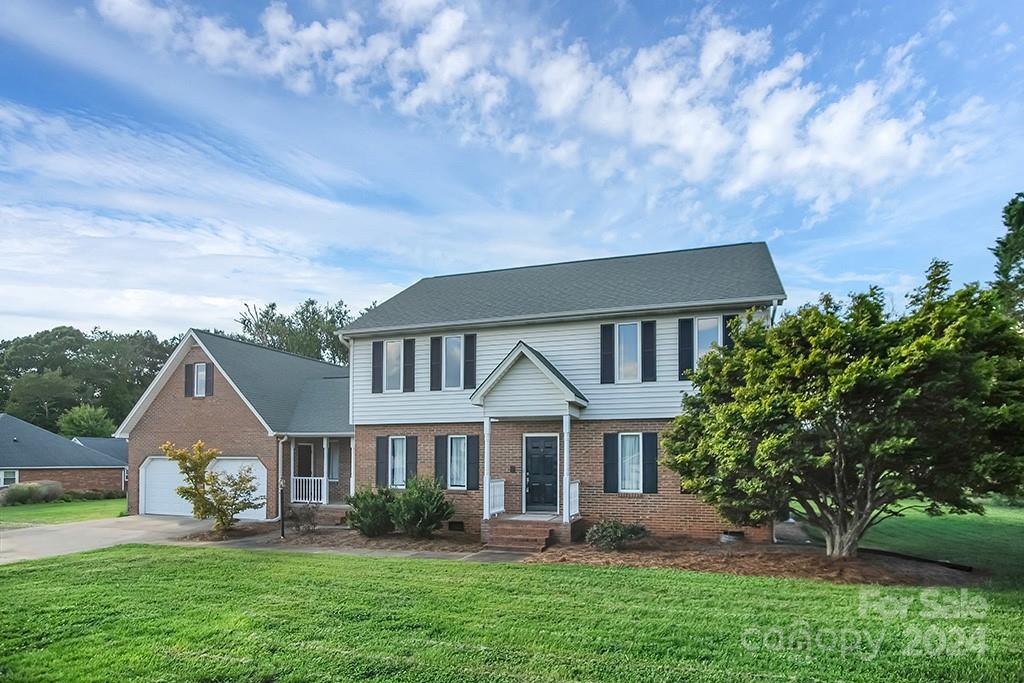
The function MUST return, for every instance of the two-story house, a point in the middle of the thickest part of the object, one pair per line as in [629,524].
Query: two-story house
[535,395]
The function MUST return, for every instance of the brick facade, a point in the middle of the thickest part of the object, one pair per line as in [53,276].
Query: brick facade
[669,511]
[78,478]
[222,421]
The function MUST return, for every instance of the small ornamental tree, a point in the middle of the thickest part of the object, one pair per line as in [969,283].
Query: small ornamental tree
[85,420]
[220,495]
[855,414]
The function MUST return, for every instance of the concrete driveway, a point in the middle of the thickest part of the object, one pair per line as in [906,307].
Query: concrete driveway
[49,540]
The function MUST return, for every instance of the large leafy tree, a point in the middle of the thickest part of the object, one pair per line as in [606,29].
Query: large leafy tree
[1009,253]
[41,397]
[85,420]
[310,330]
[855,414]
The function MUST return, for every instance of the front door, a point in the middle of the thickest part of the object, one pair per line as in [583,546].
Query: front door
[304,460]
[541,473]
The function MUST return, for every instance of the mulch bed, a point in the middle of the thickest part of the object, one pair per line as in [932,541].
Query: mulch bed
[751,559]
[239,531]
[443,541]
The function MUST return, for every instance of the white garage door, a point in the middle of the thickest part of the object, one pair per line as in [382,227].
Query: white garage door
[160,477]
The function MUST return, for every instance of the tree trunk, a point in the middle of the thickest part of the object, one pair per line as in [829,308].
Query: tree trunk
[841,541]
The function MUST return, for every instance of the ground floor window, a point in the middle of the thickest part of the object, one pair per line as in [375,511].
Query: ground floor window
[334,461]
[456,462]
[396,462]
[8,477]
[630,464]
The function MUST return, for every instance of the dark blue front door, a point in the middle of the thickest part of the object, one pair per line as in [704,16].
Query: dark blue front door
[541,473]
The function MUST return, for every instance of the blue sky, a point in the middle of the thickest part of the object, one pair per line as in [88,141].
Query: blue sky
[164,161]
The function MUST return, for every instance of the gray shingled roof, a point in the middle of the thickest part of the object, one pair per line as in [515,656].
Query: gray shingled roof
[277,383]
[733,273]
[114,447]
[23,445]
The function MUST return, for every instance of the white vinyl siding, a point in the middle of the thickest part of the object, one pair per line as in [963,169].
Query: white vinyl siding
[451,369]
[393,365]
[8,477]
[525,391]
[573,347]
[630,464]
[199,381]
[456,462]
[396,462]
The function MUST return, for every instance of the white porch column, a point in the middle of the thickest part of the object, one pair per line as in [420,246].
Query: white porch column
[327,484]
[487,468]
[352,466]
[566,422]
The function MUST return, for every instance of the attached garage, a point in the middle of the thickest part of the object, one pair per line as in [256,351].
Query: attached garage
[160,477]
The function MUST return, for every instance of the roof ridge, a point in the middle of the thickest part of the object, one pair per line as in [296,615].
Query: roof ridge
[596,258]
[267,348]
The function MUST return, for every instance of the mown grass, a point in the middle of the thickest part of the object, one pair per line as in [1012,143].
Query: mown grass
[59,512]
[993,541]
[214,614]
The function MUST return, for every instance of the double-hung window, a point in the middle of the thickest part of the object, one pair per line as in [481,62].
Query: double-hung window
[333,461]
[452,361]
[199,381]
[393,365]
[709,333]
[396,462]
[627,352]
[8,477]
[630,464]
[456,462]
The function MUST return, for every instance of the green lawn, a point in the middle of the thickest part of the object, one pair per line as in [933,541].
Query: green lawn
[994,541]
[213,614]
[58,512]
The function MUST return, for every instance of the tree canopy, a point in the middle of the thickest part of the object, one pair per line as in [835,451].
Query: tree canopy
[1009,253]
[855,413]
[85,420]
[310,330]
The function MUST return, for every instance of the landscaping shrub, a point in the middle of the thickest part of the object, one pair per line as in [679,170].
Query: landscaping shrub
[91,494]
[303,517]
[370,512]
[422,508]
[35,492]
[611,534]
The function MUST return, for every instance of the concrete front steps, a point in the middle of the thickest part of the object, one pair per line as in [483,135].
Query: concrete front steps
[521,533]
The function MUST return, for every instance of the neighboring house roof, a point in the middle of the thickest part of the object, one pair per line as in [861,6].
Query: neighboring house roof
[115,448]
[524,350]
[736,273]
[282,389]
[25,446]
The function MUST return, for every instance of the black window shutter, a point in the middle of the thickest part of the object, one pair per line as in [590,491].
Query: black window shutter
[382,462]
[410,457]
[685,347]
[409,365]
[441,459]
[209,379]
[726,335]
[608,354]
[648,356]
[435,364]
[469,361]
[649,442]
[190,379]
[611,463]
[377,367]
[472,462]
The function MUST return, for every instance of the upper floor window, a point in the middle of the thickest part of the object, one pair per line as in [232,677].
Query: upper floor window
[627,352]
[452,356]
[396,462]
[456,462]
[199,381]
[393,365]
[709,333]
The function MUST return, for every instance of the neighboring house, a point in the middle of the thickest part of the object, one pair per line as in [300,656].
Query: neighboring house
[114,447]
[536,395]
[278,413]
[29,453]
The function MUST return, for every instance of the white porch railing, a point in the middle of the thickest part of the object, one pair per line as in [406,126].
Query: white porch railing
[309,490]
[497,497]
[574,498]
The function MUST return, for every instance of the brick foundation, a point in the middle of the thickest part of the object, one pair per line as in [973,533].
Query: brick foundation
[79,478]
